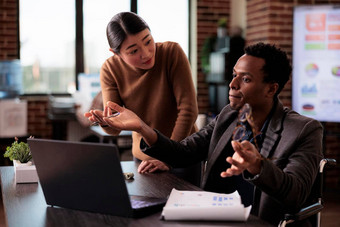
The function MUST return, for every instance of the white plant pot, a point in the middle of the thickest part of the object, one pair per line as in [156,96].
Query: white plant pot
[25,172]
[221,32]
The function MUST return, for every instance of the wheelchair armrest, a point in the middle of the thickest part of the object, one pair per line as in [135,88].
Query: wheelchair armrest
[305,212]
[316,207]
[326,161]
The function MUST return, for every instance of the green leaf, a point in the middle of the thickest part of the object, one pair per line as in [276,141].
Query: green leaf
[18,151]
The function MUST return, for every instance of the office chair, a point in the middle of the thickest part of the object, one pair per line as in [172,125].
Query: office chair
[315,208]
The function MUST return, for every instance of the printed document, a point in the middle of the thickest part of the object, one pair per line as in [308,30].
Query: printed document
[202,205]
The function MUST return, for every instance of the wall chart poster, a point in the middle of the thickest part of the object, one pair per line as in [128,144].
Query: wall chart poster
[316,62]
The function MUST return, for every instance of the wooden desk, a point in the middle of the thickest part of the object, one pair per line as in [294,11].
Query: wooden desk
[24,204]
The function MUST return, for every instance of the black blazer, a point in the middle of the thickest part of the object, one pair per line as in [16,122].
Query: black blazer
[292,144]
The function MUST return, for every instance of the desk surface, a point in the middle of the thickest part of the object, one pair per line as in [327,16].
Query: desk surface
[25,204]
[100,132]
[103,136]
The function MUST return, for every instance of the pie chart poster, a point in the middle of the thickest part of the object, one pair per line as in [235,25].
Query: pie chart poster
[316,62]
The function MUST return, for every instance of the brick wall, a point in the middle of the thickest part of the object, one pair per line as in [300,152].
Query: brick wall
[38,123]
[208,13]
[271,21]
[332,150]
[8,29]
[267,21]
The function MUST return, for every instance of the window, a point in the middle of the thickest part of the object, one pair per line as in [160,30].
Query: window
[97,15]
[48,34]
[170,22]
[47,40]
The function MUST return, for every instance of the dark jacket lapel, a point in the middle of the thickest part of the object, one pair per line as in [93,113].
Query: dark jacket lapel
[224,127]
[273,131]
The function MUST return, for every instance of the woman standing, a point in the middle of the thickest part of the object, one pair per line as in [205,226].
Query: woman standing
[152,79]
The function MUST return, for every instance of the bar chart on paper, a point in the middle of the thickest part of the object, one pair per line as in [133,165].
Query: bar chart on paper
[202,205]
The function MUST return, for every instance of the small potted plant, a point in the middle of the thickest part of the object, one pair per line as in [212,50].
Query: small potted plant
[19,152]
[21,156]
[222,27]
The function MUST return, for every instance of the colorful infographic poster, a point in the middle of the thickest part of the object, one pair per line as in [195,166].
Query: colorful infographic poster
[316,62]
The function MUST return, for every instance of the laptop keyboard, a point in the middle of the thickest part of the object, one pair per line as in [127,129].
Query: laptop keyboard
[138,202]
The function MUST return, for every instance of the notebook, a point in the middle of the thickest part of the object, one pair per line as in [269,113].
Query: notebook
[88,177]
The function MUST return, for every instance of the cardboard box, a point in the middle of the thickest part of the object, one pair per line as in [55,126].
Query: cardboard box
[13,118]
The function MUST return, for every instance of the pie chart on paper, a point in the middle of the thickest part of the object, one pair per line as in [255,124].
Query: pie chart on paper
[336,71]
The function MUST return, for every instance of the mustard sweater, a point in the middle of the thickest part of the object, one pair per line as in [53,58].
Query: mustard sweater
[163,96]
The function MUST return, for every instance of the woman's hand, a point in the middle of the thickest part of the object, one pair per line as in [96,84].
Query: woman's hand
[150,166]
[96,117]
[123,119]
[127,120]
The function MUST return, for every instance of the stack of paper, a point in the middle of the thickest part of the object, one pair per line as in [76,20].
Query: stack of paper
[202,205]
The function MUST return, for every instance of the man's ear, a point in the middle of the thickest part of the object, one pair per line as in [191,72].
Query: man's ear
[273,87]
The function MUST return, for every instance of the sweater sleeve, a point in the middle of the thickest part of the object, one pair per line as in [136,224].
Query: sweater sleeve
[110,90]
[183,88]
[108,84]
[191,150]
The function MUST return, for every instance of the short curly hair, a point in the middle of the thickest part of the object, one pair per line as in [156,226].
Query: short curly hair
[277,67]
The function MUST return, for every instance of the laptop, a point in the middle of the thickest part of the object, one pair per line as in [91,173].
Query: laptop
[88,177]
